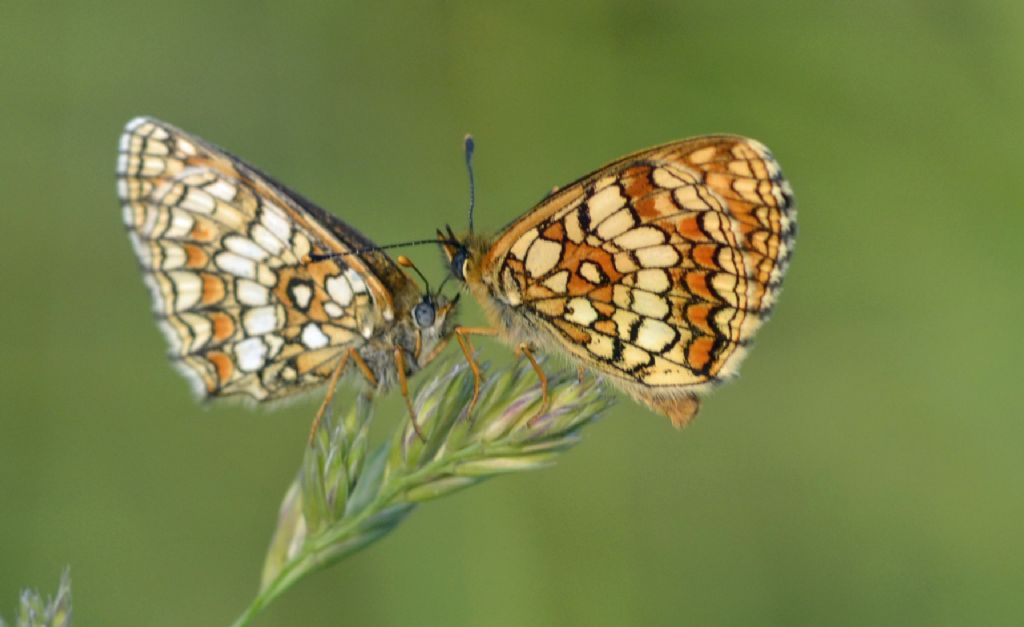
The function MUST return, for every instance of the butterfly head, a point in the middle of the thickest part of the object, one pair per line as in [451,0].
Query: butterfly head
[424,314]
[433,317]
[461,254]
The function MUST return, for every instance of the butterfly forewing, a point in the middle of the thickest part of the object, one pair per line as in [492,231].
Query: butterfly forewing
[223,249]
[658,268]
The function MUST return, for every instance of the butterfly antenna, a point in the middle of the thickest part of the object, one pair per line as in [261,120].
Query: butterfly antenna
[359,251]
[405,262]
[472,187]
[447,275]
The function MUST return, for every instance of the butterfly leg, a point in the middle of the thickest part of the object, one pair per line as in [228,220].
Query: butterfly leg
[580,373]
[363,367]
[545,400]
[332,384]
[404,384]
[467,350]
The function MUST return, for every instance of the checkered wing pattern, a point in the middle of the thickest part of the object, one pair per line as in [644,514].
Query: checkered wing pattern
[657,269]
[223,249]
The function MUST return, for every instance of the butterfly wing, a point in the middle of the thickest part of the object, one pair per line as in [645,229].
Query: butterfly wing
[222,249]
[656,269]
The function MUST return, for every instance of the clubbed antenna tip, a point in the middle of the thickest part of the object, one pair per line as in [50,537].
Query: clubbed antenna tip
[470,145]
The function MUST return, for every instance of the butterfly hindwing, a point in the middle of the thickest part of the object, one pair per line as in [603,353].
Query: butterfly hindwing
[224,250]
[657,269]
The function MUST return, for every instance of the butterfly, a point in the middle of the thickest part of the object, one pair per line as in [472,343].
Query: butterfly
[260,293]
[655,271]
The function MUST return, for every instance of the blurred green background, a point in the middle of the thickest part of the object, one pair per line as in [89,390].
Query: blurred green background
[866,469]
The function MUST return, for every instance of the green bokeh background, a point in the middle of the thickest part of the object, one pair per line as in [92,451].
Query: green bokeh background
[866,469]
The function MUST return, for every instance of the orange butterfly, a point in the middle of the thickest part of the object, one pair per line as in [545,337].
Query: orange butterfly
[655,271]
[261,293]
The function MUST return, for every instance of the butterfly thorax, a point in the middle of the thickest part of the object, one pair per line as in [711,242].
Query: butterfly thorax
[420,340]
[470,263]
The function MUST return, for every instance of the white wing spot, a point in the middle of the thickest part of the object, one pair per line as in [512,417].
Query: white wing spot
[300,245]
[339,289]
[652,280]
[601,345]
[640,237]
[651,305]
[157,148]
[267,240]
[201,327]
[592,272]
[616,224]
[245,247]
[664,256]
[313,337]
[173,256]
[542,257]
[573,229]
[222,189]
[522,244]
[275,221]
[302,294]
[356,281]
[654,335]
[580,311]
[665,179]
[251,354]
[236,265]
[198,201]
[252,293]
[151,166]
[557,282]
[633,357]
[181,224]
[605,203]
[260,320]
[687,197]
[188,287]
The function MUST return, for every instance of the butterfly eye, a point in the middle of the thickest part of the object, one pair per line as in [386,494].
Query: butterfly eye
[460,262]
[424,314]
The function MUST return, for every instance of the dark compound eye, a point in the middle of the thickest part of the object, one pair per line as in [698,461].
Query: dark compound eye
[424,313]
[459,264]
